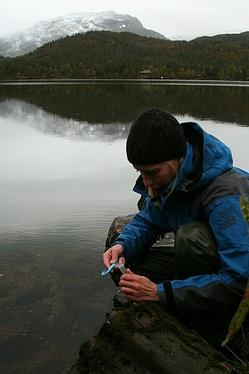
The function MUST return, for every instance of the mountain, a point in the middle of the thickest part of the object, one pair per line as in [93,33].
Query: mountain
[106,54]
[60,27]
[242,38]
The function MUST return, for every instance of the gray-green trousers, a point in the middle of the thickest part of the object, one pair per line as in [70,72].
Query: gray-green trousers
[194,253]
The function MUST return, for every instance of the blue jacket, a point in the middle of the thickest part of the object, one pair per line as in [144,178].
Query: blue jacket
[207,189]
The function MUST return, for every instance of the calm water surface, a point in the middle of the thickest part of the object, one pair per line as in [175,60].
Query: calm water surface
[63,178]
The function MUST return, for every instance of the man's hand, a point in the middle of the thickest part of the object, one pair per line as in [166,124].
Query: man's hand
[138,288]
[113,255]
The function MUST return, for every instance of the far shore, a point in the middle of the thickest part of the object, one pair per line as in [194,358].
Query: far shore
[127,80]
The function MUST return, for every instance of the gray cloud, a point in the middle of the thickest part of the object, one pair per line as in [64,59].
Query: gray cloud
[178,18]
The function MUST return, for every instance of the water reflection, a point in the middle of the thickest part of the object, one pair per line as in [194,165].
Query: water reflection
[121,103]
[58,197]
[47,306]
[22,112]
[64,177]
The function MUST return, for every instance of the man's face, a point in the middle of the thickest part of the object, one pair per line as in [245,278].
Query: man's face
[158,176]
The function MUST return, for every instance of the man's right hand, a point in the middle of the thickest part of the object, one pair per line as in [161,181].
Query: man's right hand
[113,255]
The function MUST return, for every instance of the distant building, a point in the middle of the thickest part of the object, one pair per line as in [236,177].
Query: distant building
[145,73]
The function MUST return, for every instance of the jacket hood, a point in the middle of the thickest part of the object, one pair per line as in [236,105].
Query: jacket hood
[205,158]
[209,157]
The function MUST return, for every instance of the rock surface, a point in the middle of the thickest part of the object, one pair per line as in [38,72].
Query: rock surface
[144,338]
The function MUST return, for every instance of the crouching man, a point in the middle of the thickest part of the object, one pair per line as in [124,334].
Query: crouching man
[188,185]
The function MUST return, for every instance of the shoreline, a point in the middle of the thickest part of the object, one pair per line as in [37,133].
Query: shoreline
[191,82]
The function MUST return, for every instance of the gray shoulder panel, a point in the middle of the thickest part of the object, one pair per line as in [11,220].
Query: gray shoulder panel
[231,183]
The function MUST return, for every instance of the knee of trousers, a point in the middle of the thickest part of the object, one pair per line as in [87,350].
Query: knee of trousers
[195,243]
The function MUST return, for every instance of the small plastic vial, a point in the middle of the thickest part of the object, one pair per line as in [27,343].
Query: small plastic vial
[122,268]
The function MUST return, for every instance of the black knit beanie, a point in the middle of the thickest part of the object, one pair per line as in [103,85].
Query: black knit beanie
[156,136]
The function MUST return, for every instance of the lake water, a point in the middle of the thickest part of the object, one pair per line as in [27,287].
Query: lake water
[63,178]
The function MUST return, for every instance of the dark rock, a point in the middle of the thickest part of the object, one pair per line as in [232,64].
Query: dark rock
[118,225]
[144,338]
[116,228]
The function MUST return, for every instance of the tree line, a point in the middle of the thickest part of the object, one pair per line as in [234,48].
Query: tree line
[106,54]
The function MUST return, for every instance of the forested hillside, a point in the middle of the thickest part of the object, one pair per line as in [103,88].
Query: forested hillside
[124,55]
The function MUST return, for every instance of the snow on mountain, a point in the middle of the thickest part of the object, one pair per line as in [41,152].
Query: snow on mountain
[60,27]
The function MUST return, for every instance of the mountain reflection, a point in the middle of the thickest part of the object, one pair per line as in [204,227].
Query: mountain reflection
[119,104]
[31,115]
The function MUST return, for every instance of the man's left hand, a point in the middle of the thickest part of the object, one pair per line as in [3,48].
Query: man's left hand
[137,287]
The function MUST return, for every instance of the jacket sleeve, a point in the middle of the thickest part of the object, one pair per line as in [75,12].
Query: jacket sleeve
[142,231]
[209,291]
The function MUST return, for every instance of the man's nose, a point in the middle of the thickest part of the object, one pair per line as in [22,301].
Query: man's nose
[146,180]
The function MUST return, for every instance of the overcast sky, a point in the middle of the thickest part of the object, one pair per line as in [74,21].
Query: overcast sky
[173,18]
